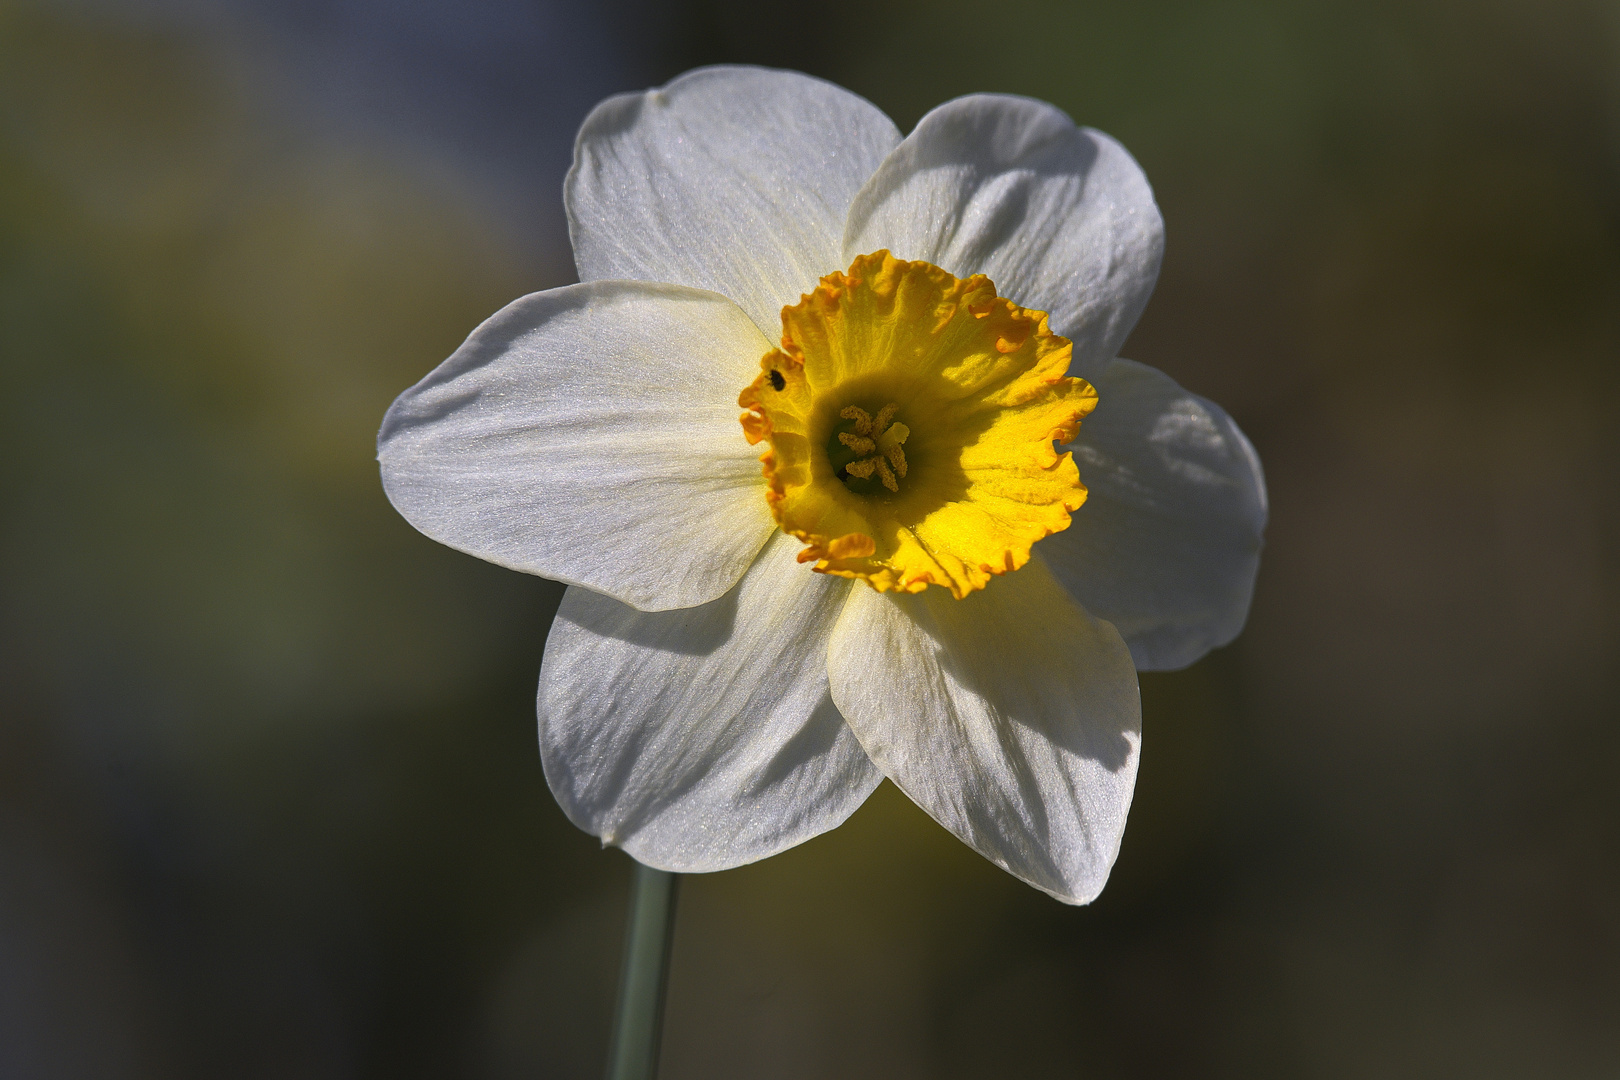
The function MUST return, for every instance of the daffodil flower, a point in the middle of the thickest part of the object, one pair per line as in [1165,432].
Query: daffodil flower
[886,568]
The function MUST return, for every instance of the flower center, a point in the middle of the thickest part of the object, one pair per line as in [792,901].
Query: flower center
[911,417]
[874,444]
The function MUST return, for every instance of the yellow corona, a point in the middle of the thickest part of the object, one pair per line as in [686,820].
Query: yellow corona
[911,417]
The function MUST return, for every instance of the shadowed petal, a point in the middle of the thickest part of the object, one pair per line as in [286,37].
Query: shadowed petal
[704,738]
[1060,218]
[1167,544]
[1012,717]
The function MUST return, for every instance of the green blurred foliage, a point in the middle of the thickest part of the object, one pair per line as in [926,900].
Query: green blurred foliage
[273,711]
[268,791]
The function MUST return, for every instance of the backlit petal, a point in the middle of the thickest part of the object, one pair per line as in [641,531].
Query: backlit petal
[1168,542]
[1059,217]
[589,434]
[1012,717]
[735,179]
[704,738]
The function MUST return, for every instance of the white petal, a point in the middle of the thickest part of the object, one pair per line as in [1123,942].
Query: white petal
[1168,541]
[1060,218]
[735,179]
[590,434]
[1012,717]
[705,738]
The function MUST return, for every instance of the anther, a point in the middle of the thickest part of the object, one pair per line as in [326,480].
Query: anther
[876,442]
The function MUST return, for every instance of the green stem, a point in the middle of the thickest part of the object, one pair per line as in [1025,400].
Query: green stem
[639,1020]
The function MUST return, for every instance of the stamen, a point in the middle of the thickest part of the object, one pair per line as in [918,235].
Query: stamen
[858,443]
[883,417]
[875,439]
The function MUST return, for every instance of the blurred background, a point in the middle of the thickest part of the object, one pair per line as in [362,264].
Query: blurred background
[270,804]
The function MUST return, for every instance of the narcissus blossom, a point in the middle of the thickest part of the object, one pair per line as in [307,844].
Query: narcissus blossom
[833,449]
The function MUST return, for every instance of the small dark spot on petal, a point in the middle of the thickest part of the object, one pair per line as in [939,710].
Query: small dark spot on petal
[777,382]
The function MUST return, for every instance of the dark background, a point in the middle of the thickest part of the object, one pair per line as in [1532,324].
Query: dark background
[270,804]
